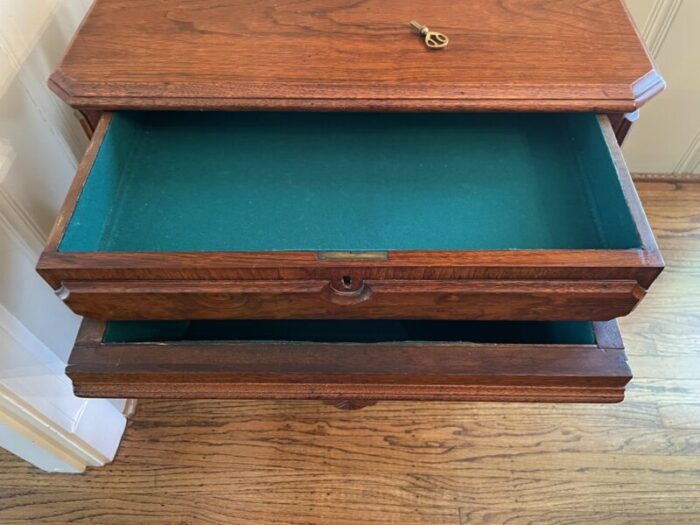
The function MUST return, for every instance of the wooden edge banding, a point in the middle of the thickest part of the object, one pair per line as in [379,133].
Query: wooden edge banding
[653,257]
[629,191]
[599,98]
[620,125]
[55,84]
[394,286]
[367,395]
[90,332]
[85,123]
[123,103]
[76,188]
[542,260]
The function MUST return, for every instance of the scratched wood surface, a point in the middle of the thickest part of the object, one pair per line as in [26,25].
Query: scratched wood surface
[282,462]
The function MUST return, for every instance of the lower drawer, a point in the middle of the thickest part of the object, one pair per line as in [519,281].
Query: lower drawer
[352,360]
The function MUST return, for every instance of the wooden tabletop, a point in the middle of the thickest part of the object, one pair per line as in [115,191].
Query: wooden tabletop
[503,55]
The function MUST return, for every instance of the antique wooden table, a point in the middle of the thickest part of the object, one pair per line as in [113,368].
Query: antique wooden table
[302,200]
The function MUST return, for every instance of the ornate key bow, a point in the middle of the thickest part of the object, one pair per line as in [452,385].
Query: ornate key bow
[433,39]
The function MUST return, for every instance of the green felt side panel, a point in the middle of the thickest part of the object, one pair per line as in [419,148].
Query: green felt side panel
[170,181]
[542,332]
[606,197]
[99,200]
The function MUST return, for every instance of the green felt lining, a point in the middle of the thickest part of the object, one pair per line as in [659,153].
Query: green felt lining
[351,331]
[174,181]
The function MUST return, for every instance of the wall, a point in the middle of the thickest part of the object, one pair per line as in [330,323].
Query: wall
[666,139]
[40,144]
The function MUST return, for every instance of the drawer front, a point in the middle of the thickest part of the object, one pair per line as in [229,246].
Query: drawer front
[483,217]
[503,362]
[354,299]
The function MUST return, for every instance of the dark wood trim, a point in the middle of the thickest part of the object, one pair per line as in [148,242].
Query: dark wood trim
[425,371]
[85,124]
[93,117]
[620,125]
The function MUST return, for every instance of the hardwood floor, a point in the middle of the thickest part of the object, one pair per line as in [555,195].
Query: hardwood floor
[186,462]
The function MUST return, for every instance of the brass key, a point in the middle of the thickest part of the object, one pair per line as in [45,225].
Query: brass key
[433,39]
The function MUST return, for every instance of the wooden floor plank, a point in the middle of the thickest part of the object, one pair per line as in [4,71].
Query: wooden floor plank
[302,462]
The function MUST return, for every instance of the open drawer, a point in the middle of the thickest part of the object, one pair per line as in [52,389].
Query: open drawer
[178,215]
[371,359]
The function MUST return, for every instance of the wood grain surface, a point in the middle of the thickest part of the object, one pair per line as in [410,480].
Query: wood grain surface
[302,462]
[357,55]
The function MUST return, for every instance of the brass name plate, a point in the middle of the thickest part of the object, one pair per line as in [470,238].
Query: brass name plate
[353,256]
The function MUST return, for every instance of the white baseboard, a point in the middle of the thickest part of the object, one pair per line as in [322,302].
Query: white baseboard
[41,420]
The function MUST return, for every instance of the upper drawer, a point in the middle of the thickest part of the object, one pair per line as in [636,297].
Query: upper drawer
[314,54]
[274,215]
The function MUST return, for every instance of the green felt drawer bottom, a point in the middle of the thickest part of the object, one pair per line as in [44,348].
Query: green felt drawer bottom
[360,182]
